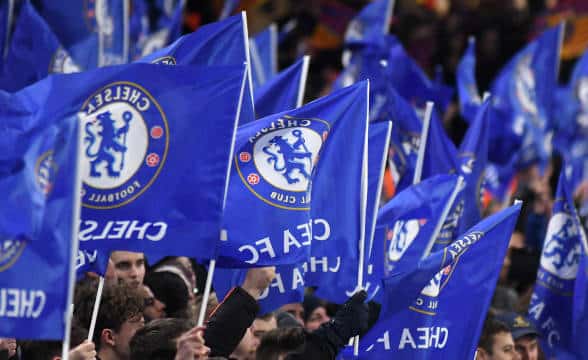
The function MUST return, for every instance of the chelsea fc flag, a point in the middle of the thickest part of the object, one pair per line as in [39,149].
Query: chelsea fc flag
[156,147]
[38,221]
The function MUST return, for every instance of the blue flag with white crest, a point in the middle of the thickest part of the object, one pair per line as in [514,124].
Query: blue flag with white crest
[552,303]
[282,92]
[467,86]
[429,307]
[34,52]
[371,23]
[275,158]
[339,201]
[95,33]
[135,142]
[264,55]
[38,222]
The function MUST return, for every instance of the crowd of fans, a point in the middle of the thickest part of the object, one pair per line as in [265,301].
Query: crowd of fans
[148,311]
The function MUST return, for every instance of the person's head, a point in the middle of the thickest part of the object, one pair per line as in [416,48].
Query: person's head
[246,348]
[315,312]
[525,336]
[296,310]
[129,267]
[279,343]
[171,290]
[119,317]
[51,350]
[496,342]
[154,309]
[263,324]
[157,339]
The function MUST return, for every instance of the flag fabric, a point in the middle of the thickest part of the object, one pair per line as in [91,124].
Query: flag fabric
[282,92]
[275,159]
[6,19]
[34,52]
[553,300]
[371,23]
[135,141]
[38,222]
[429,307]
[339,200]
[467,86]
[264,55]
[229,7]
[94,33]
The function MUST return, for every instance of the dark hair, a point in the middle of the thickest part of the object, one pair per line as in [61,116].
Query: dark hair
[120,302]
[157,339]
[40,350]
[491,328]
[170,289]
[281,341]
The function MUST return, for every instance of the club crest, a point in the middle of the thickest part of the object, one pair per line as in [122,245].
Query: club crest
[166,60]
[10,251]
[562,250]
[45,170]
[97,16]
[125,143]
[62,63]
[276,164]
[427,302]
[401,237]
[525,83]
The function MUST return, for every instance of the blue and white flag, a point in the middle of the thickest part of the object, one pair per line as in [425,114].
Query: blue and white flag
[95,33]
[267,218]
[467,86]
[264,55]
[34,52]
[552,303]
[339,201]
[430,307]
[38,221]
[371,23]
[284,91]
[138,190]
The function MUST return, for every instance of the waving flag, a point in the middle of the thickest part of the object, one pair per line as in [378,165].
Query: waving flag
[264,55]
[429,307]
[371,23]
[552,303]
[283,92]
[275,158]
[94,33]
[467,87]
[34,52]
[38,222]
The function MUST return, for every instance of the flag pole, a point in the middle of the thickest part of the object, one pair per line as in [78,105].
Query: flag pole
[302,83]
[96,308]
[206,295]
[423,143]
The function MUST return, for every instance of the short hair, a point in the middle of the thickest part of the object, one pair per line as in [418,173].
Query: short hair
[491,328]
[157,339]
[119,303]
[280,341]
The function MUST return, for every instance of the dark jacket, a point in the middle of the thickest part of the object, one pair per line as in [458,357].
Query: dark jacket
[229,322]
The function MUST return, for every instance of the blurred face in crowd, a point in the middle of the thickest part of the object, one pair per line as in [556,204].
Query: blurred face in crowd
[317,318]
[296,309]
[527,347]
[247,347]
[154,309]
[115,344]
[503,348]
[129,267]
[261,326]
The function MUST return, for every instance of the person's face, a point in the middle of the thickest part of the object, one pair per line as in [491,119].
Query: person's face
[527,347]
[129,267]
[247,347]
[124,335]
[296,310]
[260,326]
[317,318]
[503,347]
[154,309]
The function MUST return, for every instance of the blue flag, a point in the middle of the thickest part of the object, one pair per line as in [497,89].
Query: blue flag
[34,52]
[274,160]
[580,311]
[429,308]
[95,33]
[145,199]
[552,303]
[6,19]
[339,200]
[371,23]
[264,55]
[467,87]
[283,92]
[38,222]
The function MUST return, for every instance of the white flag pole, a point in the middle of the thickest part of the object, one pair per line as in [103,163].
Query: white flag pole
[96,308]
[423,143]
[302,83]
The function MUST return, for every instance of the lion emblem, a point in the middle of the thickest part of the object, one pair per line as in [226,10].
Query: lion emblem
[287,158]
[108,143]
[560,255]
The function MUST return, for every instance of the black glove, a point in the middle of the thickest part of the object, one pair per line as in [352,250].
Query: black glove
[352,318]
